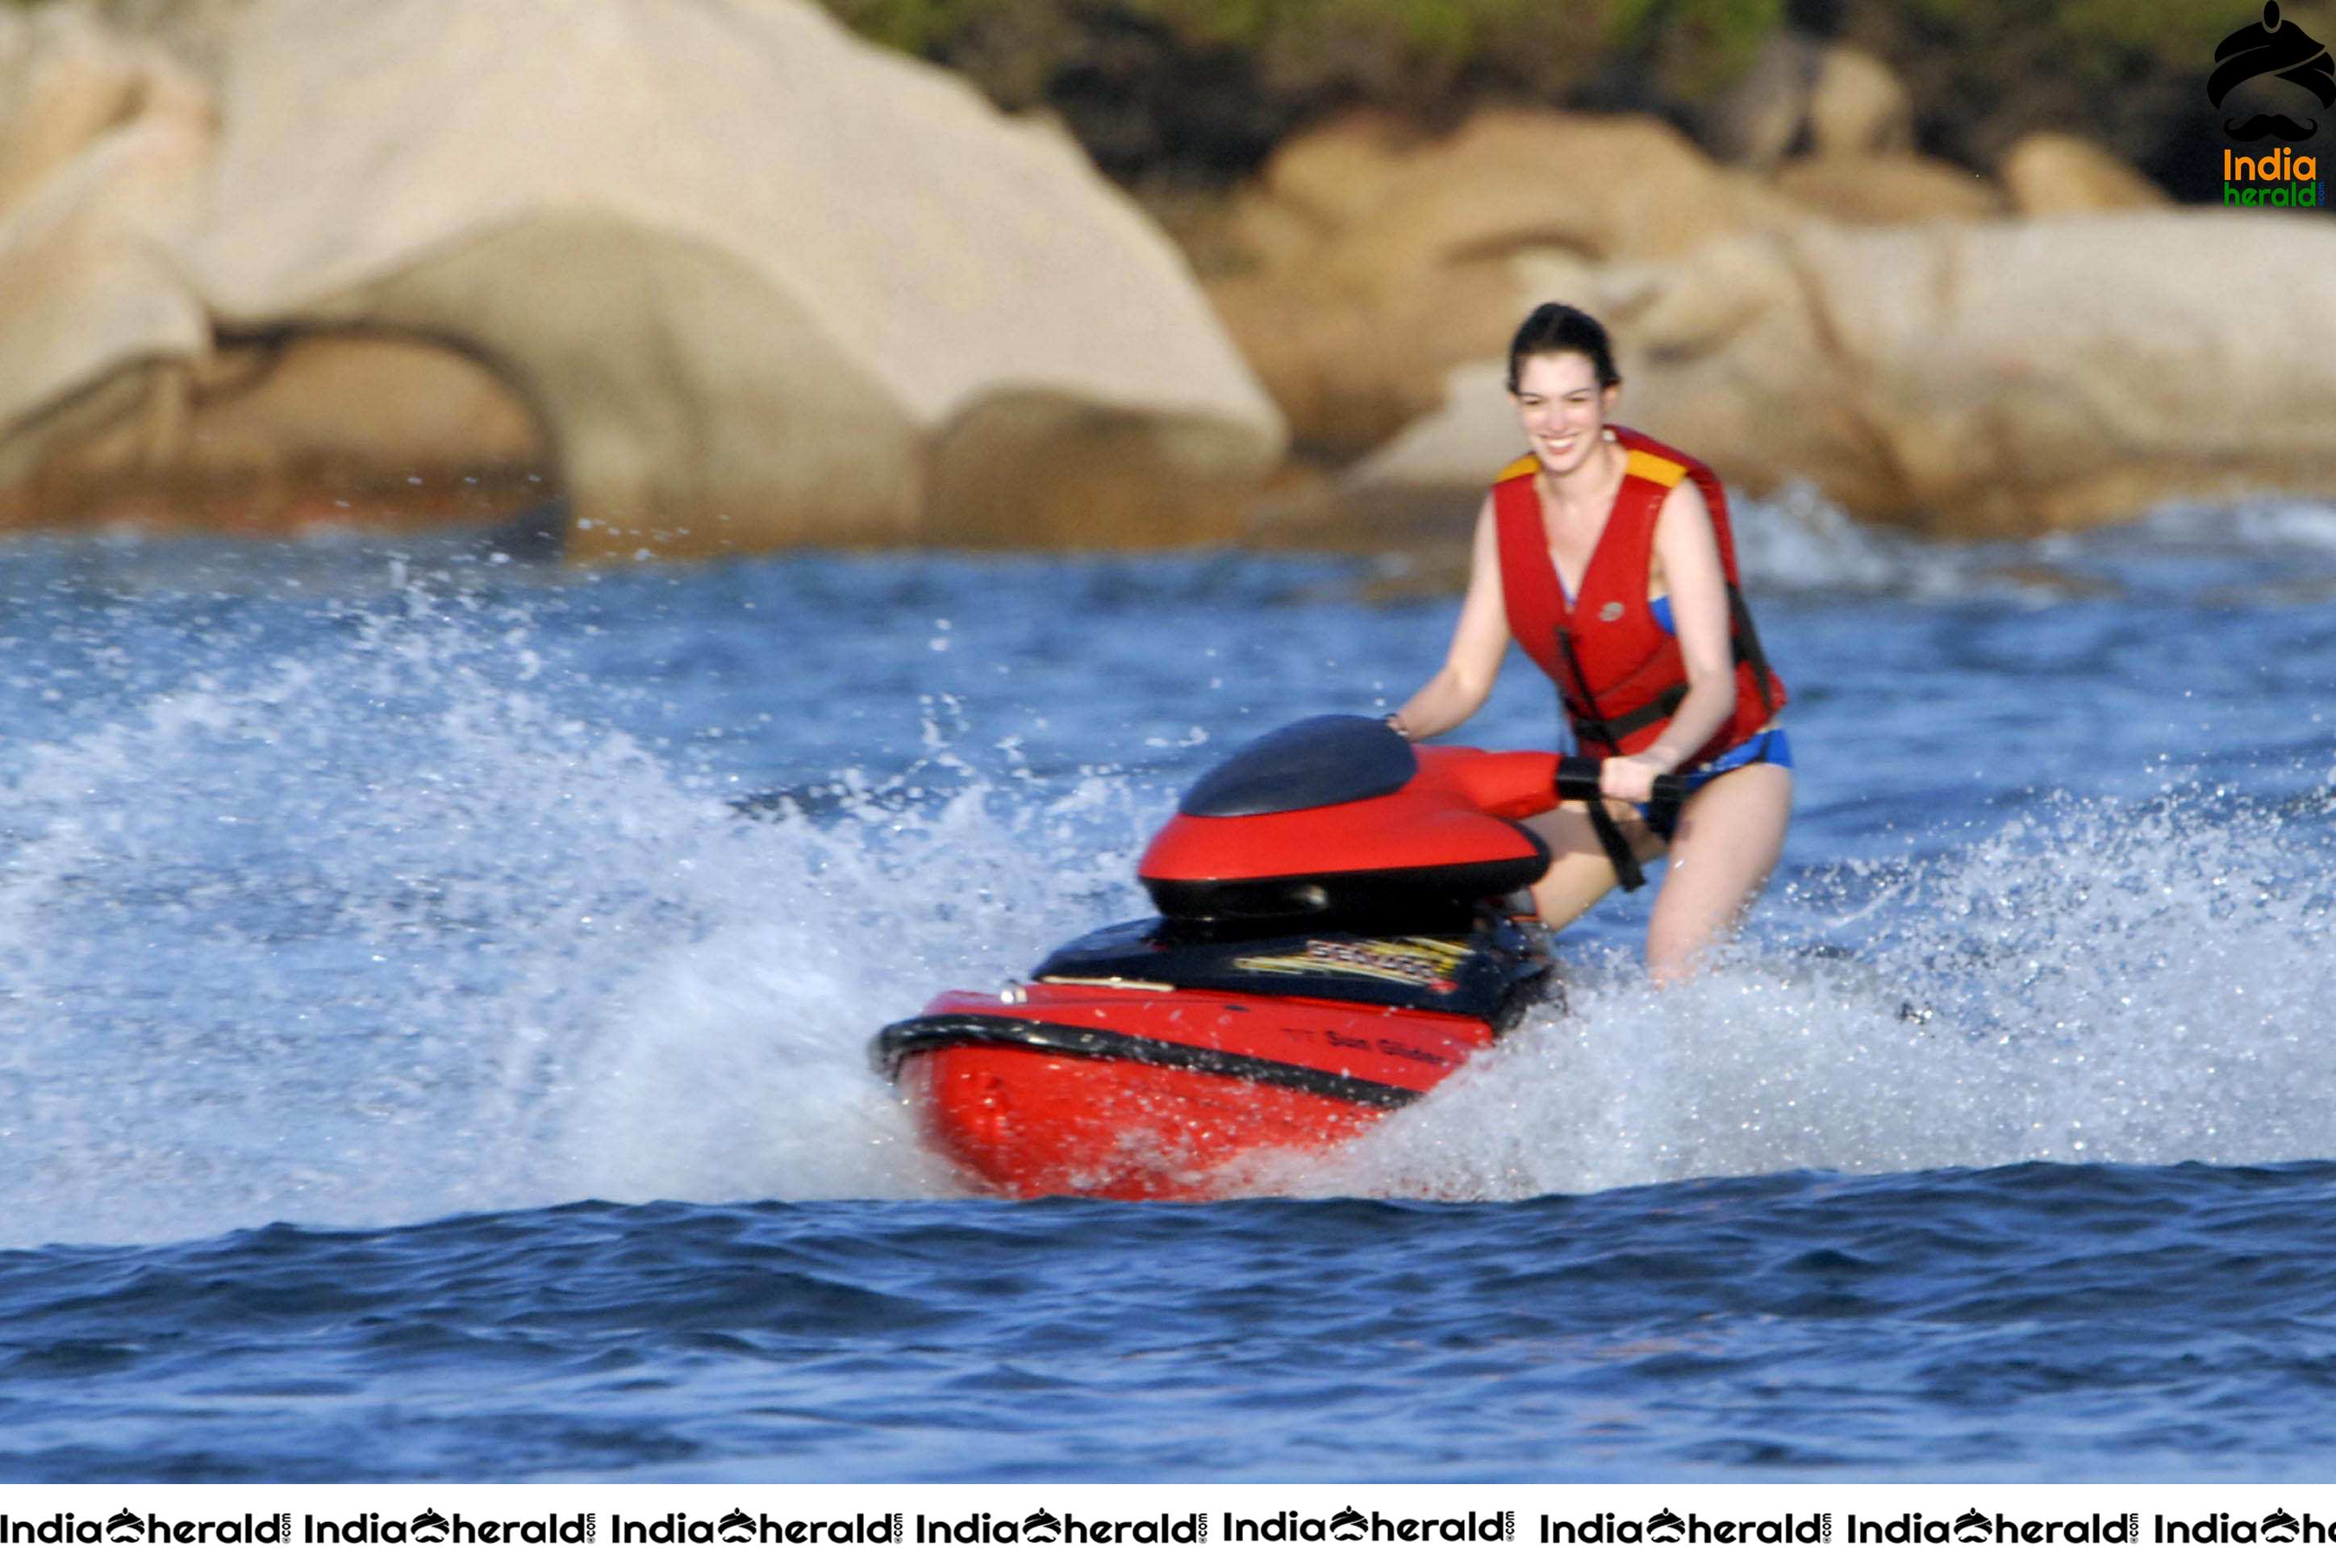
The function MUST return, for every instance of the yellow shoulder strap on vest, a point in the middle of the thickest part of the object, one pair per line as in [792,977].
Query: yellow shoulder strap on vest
[1641,465]
[1662,470]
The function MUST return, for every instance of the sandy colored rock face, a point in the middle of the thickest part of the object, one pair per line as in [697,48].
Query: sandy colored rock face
[729,280]
[748,268]
[2051,173]
[1886,189]
[748,281]
[1335,174]
[1858,108]
[84,269]
[263,435]
[1354,335]
[1983,378]
[64,82]
[104,146]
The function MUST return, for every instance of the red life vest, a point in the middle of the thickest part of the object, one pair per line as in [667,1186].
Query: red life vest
[1620,675]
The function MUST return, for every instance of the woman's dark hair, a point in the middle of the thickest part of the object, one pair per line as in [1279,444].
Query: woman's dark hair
[1556,328]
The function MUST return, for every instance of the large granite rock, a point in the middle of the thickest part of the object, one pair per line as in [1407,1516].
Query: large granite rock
[1408,269]
[103,149]
[1980,378]
[2050,173]
[1884,189]
[748,281]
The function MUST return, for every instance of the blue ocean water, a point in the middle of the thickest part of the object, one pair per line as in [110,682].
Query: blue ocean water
[433,988]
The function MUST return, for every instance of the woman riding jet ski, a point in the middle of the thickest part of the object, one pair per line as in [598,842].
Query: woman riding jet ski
[1336,934]
[1619,578]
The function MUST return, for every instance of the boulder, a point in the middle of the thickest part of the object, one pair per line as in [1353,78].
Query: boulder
[103,148]
[1317,182]
[1258,231]
[1803,97]
[1976,379]
[263,434]
[2051,173]
[1347,367]
[1895,187]
[753,273]
[1353,337]
[119,400]
[1603,186]
[66,80]
[1857,107]
[752,282]
[1336,172]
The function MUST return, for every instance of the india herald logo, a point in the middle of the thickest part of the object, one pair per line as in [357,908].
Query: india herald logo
[2280,49]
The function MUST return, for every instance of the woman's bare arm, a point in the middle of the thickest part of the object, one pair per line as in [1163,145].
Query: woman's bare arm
[1479,641]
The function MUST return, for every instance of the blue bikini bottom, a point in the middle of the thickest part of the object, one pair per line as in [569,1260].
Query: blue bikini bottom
[1769,747]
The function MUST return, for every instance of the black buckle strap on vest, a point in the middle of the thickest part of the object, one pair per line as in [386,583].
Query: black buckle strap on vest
[1596,729]
[1591,725]
[1619,854]
[1609,733]
[1746,646]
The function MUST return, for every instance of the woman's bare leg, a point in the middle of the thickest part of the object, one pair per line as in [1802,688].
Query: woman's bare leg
[1730,834]
[1579,873]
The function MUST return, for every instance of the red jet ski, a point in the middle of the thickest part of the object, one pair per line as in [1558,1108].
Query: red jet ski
[1337,935]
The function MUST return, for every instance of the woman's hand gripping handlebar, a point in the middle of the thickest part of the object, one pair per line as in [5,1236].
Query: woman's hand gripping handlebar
[1578,780]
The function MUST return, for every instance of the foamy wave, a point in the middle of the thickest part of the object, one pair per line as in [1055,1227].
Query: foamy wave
[401,925]
[2099,984]
[508,958]
[1797,542]
[389,931]
[2261,522]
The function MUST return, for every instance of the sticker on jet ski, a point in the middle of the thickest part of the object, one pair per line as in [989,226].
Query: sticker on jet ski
[1422,962]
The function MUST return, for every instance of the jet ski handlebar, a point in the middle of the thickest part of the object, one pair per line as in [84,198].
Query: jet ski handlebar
[1578,780]
[1341,759]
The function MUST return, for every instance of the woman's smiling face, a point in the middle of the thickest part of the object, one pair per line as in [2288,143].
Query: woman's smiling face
[1562,408]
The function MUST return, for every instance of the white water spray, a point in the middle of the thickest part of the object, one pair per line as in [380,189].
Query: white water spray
[2142,985]
[399,926]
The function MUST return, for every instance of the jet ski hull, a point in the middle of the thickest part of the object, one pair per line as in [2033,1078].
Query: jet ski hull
[1337,935]
[1092,1091]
